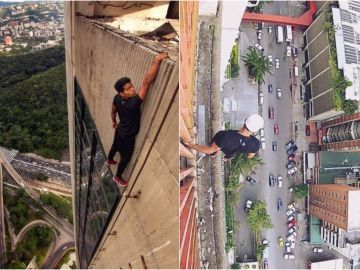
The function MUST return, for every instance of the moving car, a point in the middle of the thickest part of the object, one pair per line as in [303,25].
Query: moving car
[248,205]
[277,63]
[274,146]
[250,180]
[270,88]
[263,145]
[288,256]
[270,58]
[281,241]
[270,30]
[280,207]
[262,132]
[259,47]
[261,98]
[292,171]
[288,51]
[278,93]
[271,112]
[280,181]
[276,129]
[271,180]
[318,250]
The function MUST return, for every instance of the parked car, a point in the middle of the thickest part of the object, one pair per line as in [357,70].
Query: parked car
[270,88]
[274,146]
[288,256]
[289,144]
[290,212]
[276,129]
[318,250]
[291,157]
[259,47]
[263,145]
[277,63]
[288,51]
[262,132]
[271,112]
[294,51]
[248,205]
[292,171]
[287,249]
[290,217]
[262,139]
[271,180]
[280,206]
[291,205]
[281,241]
[293,221]
[290,164]
[261,98]
[259,35]
[270,58]
[278,93]
[290,244]
[270,30]
[289,225]
[280,181]
[291,230]
[290,189]
[250,180]
[292,150]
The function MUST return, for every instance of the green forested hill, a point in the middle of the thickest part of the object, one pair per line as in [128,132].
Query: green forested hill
[33,114]
[14,69]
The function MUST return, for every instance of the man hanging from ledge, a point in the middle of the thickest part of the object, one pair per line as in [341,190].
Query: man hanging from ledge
[127,105]
[231,142]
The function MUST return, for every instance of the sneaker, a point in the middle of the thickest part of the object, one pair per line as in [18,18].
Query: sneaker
[110,162]
[120,181]
[226,158]
[213,155]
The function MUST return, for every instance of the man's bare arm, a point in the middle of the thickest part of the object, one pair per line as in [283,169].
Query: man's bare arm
[151,74]
[113,116]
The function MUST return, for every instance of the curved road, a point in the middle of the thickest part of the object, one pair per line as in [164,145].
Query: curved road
[51,261]
[27,227]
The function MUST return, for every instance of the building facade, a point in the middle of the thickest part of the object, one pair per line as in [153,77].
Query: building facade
[136,227]
[342,133]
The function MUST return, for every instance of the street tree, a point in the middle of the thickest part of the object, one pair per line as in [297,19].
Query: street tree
[258,218]
[257,64]
[300,191]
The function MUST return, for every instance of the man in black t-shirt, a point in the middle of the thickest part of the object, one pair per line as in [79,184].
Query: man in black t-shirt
[126,105]
[231,142]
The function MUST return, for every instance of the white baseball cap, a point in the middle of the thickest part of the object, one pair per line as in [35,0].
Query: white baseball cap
[254,122]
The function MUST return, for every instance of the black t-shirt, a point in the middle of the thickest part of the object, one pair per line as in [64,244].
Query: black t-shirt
[129,114]
[232,142]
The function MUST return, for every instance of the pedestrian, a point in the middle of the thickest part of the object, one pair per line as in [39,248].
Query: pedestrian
[126,104]
[231,142]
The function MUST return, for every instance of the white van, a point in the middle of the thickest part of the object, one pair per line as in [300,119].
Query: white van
[288,33]
[261,98]
[296,71]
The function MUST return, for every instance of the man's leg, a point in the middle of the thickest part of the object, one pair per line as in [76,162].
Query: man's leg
[126,150]
[114,148]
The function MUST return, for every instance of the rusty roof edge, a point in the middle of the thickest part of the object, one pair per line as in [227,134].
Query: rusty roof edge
[154,46]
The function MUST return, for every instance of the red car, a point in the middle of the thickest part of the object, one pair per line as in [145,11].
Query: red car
[276,129]
[291,157]
[290,224]
[293,222]
[271,112]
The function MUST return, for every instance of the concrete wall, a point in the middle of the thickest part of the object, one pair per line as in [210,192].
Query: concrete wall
[146,228]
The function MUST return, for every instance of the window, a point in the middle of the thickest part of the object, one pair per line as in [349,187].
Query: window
[96,194]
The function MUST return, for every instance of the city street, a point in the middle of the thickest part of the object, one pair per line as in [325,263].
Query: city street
[240,99]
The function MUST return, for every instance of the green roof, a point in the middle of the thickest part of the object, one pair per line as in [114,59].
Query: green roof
[333,164]
[315,234]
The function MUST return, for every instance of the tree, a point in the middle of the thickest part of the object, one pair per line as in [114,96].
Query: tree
[41,177]
[257,64]
[349,106]
[258,218]
[300,191]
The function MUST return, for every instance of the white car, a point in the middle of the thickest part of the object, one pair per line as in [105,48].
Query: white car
[270,58]
[259,34]
[262,139]
[291,230]
[290,244]
[288,249]
[289,256]
[261,98]
[318,250]
[278,92]
[288,51]
[280,181]
[277,63]
[263,145]
[290,212]
[290,218]
[290,238]
[291,205]
[259,47]
[270,30]
[292,171]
